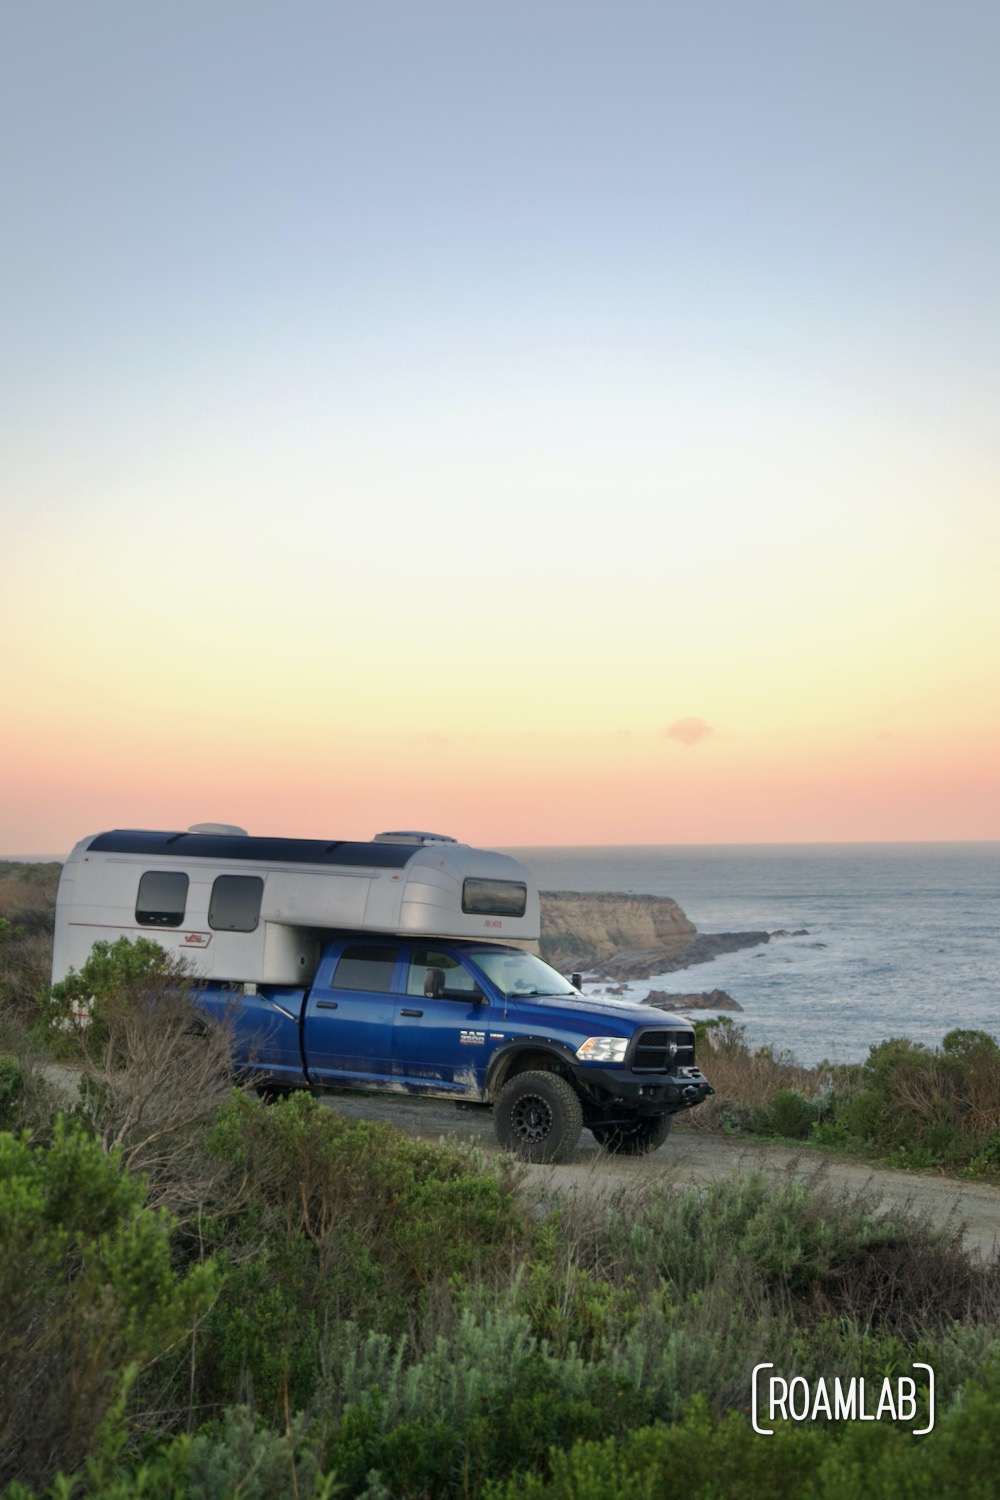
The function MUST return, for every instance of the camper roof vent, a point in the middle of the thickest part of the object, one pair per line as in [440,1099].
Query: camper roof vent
[217,828]
[413,838]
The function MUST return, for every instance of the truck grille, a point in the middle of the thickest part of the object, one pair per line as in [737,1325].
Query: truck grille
[663,1051]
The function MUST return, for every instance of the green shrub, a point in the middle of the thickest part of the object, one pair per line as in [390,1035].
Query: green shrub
[336,1219]
[924,1106]
[788,1115]
[115,975]
[487,1399]
[11,1090]
[700,1457]
[710,1458]
[972,1048]
[88,1297]
[229,1457]
[827,1252]
[25,967]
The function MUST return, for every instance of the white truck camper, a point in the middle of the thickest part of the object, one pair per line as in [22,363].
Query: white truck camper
[254,910]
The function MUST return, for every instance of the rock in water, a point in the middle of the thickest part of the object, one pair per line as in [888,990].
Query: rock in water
[704,1000]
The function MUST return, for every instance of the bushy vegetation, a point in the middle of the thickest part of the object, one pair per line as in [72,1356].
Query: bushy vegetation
[27,910]
[911,1105]
[202,1296]
[364,1316]
[747,1082]
[89,1296]
[925,1106]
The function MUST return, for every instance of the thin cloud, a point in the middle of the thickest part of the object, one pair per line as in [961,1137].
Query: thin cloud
[688,731]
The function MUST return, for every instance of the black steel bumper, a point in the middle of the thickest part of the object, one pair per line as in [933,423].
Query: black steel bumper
[644,1093]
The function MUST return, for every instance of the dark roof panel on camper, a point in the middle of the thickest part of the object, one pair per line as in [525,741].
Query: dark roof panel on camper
[242,846]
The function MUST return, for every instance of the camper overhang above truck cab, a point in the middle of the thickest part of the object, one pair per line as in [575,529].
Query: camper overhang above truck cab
[251,909]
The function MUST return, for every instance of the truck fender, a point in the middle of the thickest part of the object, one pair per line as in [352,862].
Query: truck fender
[525,1054]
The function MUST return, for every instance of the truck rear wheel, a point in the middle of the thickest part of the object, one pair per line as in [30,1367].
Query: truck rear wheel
[538,1116]
[636,1138]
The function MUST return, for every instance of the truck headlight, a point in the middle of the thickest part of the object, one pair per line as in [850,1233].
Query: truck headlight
[603,1049]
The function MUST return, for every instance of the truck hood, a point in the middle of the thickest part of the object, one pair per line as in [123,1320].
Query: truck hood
[614,1018]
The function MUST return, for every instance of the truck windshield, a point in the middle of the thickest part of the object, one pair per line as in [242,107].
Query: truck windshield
[521,975]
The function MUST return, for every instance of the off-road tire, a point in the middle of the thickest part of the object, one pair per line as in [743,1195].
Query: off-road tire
[538,1116]
[638,1138]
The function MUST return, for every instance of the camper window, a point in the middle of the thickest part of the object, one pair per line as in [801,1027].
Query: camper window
[162,898]
[235,905]
[494,898]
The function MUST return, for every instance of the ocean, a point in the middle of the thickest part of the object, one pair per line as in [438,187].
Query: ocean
[903,939]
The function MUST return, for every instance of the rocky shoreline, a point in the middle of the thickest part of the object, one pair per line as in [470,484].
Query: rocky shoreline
[640,963]
[622,937]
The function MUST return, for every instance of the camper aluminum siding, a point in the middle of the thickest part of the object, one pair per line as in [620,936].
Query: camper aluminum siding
[255,909]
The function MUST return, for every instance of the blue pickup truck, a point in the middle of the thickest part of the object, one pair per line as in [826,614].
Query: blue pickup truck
[478,1024]
[401,965]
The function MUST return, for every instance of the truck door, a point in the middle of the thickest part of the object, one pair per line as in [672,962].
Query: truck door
[441,1039]
[349,1015]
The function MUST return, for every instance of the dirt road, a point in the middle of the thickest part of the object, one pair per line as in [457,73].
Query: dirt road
[690,1157]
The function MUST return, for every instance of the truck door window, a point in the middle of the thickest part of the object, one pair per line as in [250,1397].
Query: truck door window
[235,904]
[365,966]
[457,980]
[162,898]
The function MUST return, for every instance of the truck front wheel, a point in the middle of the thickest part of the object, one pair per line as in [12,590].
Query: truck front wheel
[636,1138]
[538,1116]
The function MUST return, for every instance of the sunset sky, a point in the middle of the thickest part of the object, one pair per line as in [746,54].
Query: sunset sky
[542,422]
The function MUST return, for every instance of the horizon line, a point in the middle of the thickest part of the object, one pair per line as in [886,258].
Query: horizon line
[702,844]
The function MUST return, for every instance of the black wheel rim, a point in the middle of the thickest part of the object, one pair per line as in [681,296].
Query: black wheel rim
[531,1119]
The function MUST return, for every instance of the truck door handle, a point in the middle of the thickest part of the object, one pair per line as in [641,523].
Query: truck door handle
[411,1012]
[327,1004]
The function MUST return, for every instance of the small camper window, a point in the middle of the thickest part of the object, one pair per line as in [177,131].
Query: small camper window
[494,898]
[162,898]
[236,903]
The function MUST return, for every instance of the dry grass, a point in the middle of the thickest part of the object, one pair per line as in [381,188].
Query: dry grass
[27,891]
[152,1079]
[958,1085]
[745,1079]
[27,907]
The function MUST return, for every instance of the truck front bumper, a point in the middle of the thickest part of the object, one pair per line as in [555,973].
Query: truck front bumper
[643,1093]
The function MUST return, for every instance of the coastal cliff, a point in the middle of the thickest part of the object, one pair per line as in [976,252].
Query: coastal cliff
[584,927]
[628,937]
